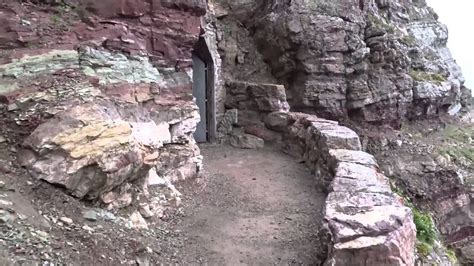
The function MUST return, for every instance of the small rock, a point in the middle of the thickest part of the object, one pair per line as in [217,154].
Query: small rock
[154,179]
[42,235]
[2,139]
[90,215]
[6,217]
[2,184]
[66,220]
[12,107]
[88,228]
[399,142]
[109,197]
[6,203]
[142,261]
[107,216]
[148,250]
[246,141]
[442,161]
[137,221]
[145,210]
[454,109]
[124,201]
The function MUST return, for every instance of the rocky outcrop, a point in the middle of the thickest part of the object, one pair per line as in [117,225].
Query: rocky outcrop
[435,173]
[99,94]
[247,104]
[376,61]
[381,62]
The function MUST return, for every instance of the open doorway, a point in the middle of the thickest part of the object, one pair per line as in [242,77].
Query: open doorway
[203,91]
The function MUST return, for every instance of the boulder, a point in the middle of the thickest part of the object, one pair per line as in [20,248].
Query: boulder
[277,121]
[256,97]
[91,151]
[246,141]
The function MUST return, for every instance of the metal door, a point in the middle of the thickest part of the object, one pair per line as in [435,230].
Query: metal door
[199,92]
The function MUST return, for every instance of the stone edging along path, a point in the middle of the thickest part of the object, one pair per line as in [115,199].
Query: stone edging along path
[366,224]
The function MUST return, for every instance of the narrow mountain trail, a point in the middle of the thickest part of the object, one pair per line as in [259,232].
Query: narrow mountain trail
[256,207]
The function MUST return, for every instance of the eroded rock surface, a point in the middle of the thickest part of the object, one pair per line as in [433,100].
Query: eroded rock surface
[371,60]
[99,95]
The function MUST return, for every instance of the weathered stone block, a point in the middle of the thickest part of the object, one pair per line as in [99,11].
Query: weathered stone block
[278,121]
[246,141]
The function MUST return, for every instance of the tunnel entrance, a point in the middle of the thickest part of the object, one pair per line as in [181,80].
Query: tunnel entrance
[203,91]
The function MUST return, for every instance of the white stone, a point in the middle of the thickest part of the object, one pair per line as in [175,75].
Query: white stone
[154,179]
[137,221]
[6,203]
[66,220]
[454,109]
[151,134]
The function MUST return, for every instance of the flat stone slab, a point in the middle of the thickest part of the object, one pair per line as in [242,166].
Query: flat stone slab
[352,177]
[246,141]
[351,156]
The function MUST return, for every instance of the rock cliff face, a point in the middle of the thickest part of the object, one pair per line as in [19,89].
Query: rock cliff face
[381,62]
[96,97]
[377,61]
[98,94]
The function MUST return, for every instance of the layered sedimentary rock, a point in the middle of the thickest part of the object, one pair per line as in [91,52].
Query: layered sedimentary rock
[99,93]
[378,61]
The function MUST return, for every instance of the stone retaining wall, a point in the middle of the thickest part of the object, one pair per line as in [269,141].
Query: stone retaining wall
[365,223]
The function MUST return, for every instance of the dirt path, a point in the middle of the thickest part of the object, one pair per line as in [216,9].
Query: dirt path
[253,207]
[258,207]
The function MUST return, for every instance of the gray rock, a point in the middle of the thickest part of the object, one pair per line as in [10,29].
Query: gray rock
[90,215]
[256,97]
[278,121]
[6,217]
[107,216]
[66,220]
[227,123]
[12,107]
[246,141]
[370,71]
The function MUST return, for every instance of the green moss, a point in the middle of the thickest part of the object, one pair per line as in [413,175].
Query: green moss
[451,255]
[426,76]
[323,7]
[425,228]
[56,19]
[426,233]
[408,40]
[424,249]
[459,134]
[459,153]
[458,144]
[381,23]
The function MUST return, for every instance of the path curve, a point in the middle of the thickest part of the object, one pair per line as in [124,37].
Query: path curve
[258,207]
